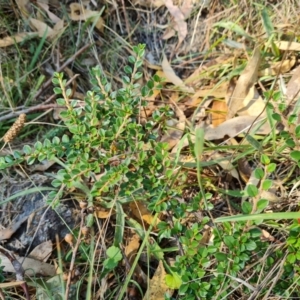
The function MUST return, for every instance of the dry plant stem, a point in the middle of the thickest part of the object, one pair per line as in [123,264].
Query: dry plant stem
[72,264]
[280,265]
[42,106]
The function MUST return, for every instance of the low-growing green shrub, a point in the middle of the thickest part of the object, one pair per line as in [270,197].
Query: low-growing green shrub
[113,157]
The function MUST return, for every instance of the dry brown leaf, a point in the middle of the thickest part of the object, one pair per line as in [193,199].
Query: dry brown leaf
[6,234]
[244,83]
[59,27]
[234,127]
[206,235]
[293,92]
[31,266]
[50,14]
[132,247]
[270,195]
[25,7]
[253,104]
[217,92]
[279,67]
[218,112]
[186,8]
[169,33]
[157,286]
[172,77]
[79,13]
[244,168]
[103,214]
[289,46]
[225,164]
[43,166]
[161,74]
[42,28]
[141,212]
[266,236]
[18,38]
[181,25]
[42,251]
[293,87]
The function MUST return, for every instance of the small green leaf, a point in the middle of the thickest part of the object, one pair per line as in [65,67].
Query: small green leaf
[229,241]
[246,207]
[138,75]
[276,117]
[55,81]
[291,258]
[126,79]
[65,139]
[265,160]
[297,131]
[131,59]
[30,160]
[262,204]
[250,245]
[56,140]
[267,183]
[38,146]
[150,84]
[271,167]
[27,149]
[56,183]
[128,69]
[295,155]
[259,173]
[61,102]
[173,281]
[57,91]
[252,190]
[220,256]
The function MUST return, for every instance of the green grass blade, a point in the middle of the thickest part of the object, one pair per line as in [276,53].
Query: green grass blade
[268,216]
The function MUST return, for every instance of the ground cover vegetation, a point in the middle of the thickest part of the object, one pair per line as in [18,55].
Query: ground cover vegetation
[169,130]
